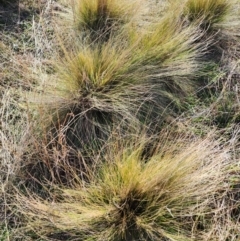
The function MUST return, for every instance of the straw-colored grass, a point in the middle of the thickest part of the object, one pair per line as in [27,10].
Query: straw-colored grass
[220,21]
[171,196]
[207,12]
[101,18]
[14,131]
[75,98]
[120,81]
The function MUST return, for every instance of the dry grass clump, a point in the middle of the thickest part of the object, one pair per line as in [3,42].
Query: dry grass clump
[120,81]
[74,164]
[173,195]
[101,18]
[89,98]
[220,21]
[207,12]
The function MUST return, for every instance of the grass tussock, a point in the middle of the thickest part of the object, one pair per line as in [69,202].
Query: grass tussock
[101,18]
[77,96]
[171,196]
[207,12]
[119,82]
[86,102]
[219,20]
[165,47]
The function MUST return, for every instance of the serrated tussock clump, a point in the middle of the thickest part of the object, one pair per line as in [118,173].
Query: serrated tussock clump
[207,12]
[220,21]
[171,196]
[81,81]
[101,19]
[126,82]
